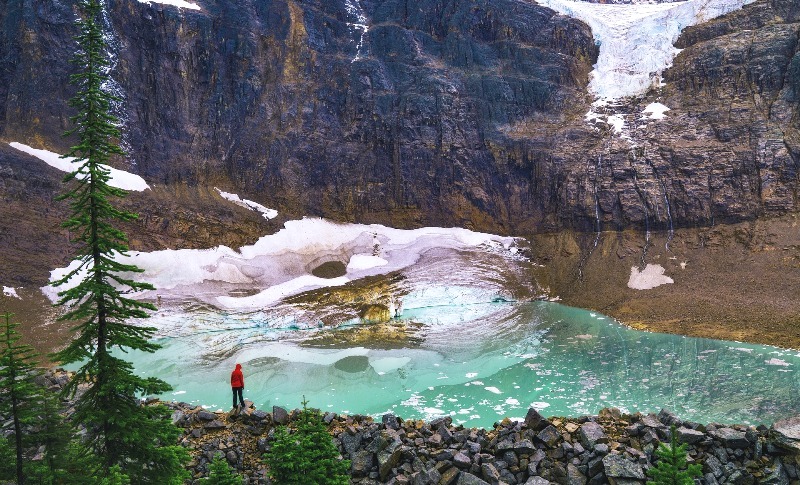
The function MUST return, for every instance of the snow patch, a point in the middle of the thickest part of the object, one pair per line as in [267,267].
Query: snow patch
[118,178]
[651,277]
[365,261]
[636,40]
[174,3]
[656,111]
[10,292]
[248,204]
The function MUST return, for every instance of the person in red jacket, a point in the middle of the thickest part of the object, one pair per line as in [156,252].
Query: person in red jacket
[237,384]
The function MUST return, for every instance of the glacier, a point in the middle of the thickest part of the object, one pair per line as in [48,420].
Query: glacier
[636,40]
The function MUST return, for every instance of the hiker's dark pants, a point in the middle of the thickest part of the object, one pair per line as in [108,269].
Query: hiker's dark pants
[238,391]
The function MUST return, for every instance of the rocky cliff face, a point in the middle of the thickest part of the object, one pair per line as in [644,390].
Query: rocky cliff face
[409,113]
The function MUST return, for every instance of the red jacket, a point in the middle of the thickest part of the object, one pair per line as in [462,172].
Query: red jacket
[237,379]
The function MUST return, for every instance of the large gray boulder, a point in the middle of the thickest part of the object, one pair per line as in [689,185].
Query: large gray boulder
[786,434]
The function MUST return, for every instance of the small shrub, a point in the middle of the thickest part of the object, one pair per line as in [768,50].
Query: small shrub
[671,467]
[306,455]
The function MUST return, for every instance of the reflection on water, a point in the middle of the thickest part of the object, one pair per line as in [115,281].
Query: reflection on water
[477,362]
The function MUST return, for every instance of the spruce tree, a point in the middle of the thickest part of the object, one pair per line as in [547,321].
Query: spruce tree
[308,455]
[671,468]
[141,440]
[220,473]
[19,396]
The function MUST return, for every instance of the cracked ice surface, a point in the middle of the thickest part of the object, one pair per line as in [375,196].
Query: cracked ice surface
[280,265]
[636,41]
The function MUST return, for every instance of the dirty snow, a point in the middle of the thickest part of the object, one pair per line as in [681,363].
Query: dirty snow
[651,277]
[248,204]
[174,3]
[11,292]
[118,178]
[280,265]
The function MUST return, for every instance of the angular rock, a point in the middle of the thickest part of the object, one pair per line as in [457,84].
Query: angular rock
[206,416]
[617,466]
[690,436]
[574,476]
[786,434]
[361,462]
[390,421]
[591,434]
[537,481]
[490,473]
[214,425]
[388,459]
[462,461]
[730,438]
[470,479]
[535,421]
[549,436]
[280,415]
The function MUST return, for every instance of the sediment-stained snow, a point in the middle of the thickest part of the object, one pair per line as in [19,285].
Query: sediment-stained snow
[655,111]
[649,278]
[636,40]
[174,3]
[10,292]
[248,204]
[280,265]
[118,178]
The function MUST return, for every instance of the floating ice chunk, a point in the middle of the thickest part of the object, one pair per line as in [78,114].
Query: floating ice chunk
[360,262]
[118,178]
[388,364]
[774,361]
[174,3]
[471,375]
[512,402]
[651,277]
[539,405]
[248,204]
[656,111]
[493,390]
[293,353]
[11,292]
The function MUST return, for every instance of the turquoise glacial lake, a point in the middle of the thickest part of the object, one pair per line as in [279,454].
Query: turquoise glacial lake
[479,363]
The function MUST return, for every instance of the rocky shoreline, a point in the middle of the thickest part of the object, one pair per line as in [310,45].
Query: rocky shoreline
[610,447]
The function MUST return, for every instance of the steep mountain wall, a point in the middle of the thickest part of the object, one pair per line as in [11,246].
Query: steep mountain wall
[454,112]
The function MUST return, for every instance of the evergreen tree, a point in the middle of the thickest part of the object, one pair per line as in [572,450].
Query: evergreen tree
[671,467]
[141,440]
[19,395]
[308,455]
[220,473]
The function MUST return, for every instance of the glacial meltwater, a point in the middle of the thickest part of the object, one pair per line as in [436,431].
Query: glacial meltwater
[480,362]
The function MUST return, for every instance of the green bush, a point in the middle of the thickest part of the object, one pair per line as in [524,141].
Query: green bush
[220,473]
[306,455]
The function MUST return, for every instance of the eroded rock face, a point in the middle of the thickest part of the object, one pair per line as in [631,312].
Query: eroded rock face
[460,113]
